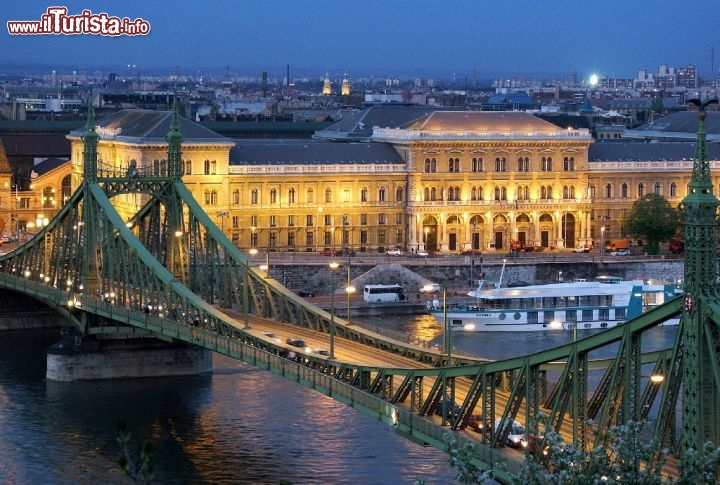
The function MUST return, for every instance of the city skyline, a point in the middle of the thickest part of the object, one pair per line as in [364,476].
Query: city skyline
[455,38]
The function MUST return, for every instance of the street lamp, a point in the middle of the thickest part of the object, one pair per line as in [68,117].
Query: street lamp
[333,267]
[246,289]
[602,242]
[222,214]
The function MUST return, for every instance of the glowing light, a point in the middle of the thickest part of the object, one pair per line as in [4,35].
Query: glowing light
[594,80]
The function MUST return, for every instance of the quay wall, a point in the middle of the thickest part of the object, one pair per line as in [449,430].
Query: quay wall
[456,273]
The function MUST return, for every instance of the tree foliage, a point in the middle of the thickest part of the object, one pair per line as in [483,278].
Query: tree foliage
[653,220]
[625,460]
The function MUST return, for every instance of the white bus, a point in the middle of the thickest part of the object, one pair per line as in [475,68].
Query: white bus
[382,293]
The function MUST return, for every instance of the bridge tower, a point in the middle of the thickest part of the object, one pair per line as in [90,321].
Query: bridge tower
[699,342]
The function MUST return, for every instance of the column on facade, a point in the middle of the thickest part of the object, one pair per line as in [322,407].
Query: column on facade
[558,230]
[468,234]
[490,232]
[443,233]
[588,228]
[536,227]
[513,228]
[412,232]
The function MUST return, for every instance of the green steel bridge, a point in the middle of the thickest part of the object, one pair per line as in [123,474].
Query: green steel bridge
[103,274]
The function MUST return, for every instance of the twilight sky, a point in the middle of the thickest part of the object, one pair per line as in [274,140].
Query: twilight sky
[496,38]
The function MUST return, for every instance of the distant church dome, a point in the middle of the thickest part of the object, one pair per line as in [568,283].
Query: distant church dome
[345,89]
[327,88]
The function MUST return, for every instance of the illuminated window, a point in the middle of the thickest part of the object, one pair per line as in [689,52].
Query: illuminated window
[454,165]
[273,196]
[523,164]
[328,195]
[363,194]
[500,164]
[310,196]
[624,191]
[399,194]
[569,164]
[254,196]
[546,164]
[291,196]
[236,197]
[477,164]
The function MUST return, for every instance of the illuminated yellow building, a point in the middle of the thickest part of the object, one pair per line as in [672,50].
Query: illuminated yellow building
[445,181]
[345,88]
[327,87]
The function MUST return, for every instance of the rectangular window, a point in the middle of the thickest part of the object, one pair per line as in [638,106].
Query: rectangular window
[291,239]
[548,316]
[571,316]
[309,240]
[363,219]
[363,237]
[271,221]
[291,221]
[398,236]
[620,314]
[381,219]
[587,315]
[532,317]
[346,195]
[399,218]
[604,314]
[309,220]
[328,238]
[272,240]
[328,220]
[253,221]
[381,237]
[235,221]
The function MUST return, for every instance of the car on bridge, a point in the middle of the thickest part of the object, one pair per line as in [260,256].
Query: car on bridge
[451,409]
[516,431]
[394,252]
[581,249]
[620,252]
[296,342]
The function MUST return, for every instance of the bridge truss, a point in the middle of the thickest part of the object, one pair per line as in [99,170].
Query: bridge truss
[166,271]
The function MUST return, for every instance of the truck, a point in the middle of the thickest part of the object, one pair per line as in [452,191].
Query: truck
[616,244]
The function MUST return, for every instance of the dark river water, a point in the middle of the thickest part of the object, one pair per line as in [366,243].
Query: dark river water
[237,425]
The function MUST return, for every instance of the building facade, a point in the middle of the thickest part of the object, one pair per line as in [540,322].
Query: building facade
[445,181]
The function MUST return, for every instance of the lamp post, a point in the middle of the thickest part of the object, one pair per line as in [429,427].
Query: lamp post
[333,267]
[222,214]
[246,290]
[602,242]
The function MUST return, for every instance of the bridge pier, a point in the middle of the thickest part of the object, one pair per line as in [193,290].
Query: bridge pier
[112,358]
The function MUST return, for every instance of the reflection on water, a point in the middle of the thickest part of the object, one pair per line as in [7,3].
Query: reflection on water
[506,345]
[237,425]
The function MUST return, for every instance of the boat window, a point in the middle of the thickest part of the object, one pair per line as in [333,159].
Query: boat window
[620,314]
[532,317]
[571,315]
[548,316]
[606,300]
[604,314]
[517,316]
[537,303]
[571,301]
[587,315]
[548,302]
[502,316]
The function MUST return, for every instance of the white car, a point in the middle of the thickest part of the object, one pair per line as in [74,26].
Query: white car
[620,252]
[422,253]
[581,249]
[394,252]
[516,435]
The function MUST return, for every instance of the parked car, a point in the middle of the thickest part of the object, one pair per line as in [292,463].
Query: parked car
[422,253]
[620,252]
[394,252]
[328,252]
[581,249]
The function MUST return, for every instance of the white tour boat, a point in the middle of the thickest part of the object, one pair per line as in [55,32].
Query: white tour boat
[606,302]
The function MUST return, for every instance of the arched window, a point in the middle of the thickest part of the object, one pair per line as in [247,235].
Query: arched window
[454,193]
[381,194]
[569,164]
[427,194]
[673,189]
[500,164]
[156,167]
[213,197]
[454,165]
[473,193]
[254,196]
[641,189]
[291,196]
[592,192]
[523,164]
[430,165]
[310,196]
[235,197]
[568,192]
[624,191]
[433,193]
[207,197]
[328,195]
[363,195]
[658,189]
[399,194]
[213,167]
[163,167]
[477,164]
[608,191]
[523,192]
[500,193]
[546,164]
[273,196]
[188,167]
